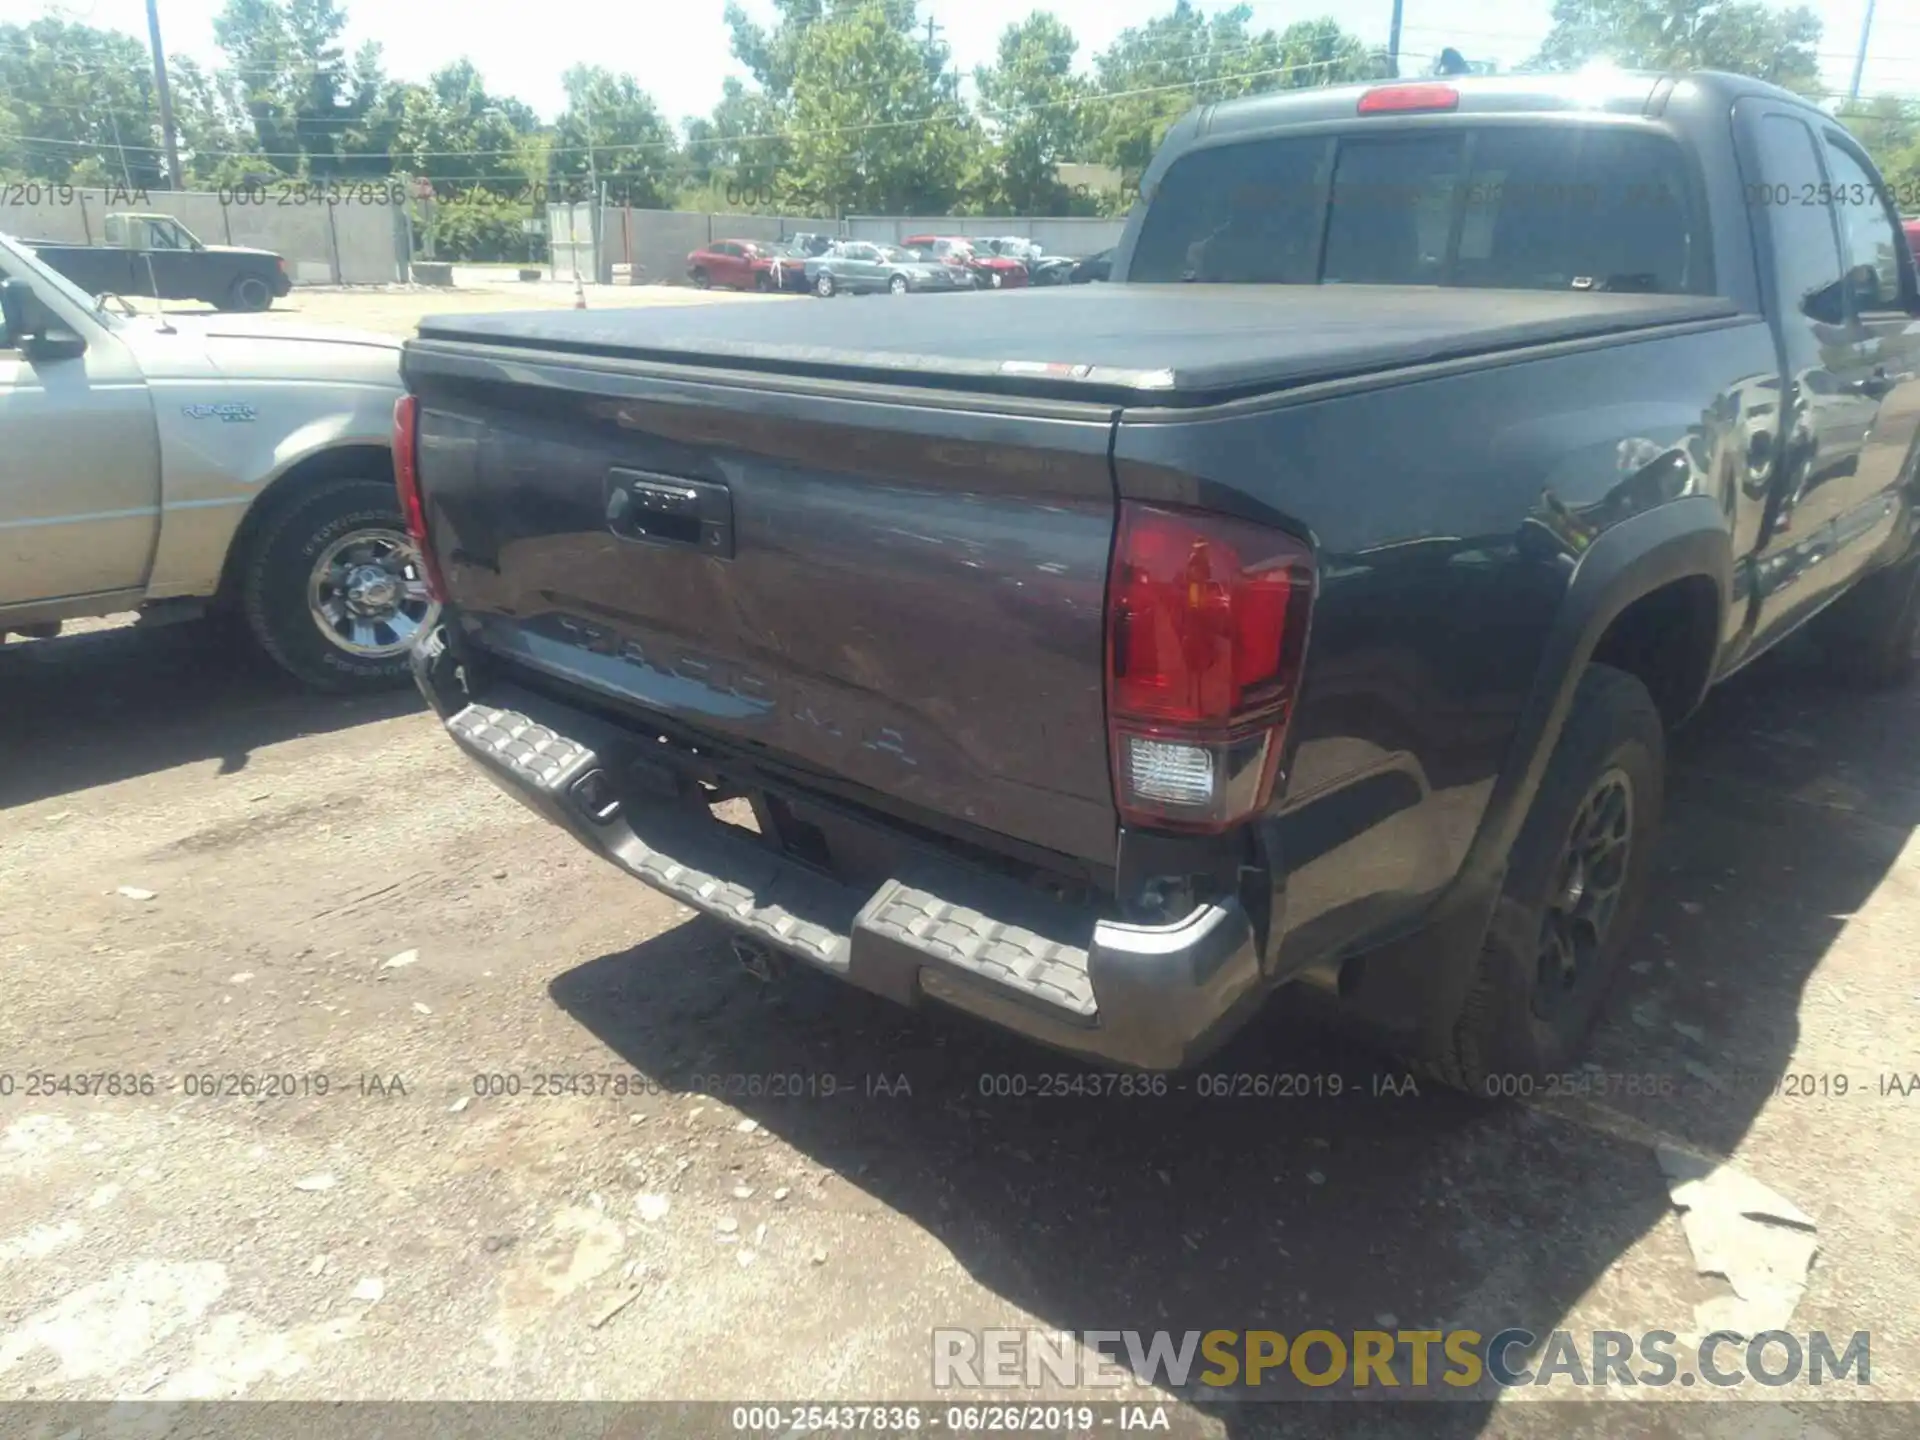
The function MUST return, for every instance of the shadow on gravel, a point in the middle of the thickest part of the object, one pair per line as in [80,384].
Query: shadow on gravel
[105,705]
[1347,1206]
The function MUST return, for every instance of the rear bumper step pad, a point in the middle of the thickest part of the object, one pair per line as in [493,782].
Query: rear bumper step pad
[1156,997]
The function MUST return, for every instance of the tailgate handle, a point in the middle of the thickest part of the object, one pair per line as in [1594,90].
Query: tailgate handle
[667,510]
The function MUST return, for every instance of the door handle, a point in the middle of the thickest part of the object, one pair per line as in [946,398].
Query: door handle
[667,510]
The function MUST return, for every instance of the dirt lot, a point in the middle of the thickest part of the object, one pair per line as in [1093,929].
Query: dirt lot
[397,310]
[211,875]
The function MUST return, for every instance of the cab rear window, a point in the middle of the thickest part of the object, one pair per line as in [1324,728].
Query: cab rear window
[1527,207]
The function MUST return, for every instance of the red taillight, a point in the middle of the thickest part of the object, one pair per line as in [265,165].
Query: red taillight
[406,479]
[1398,99]
[1206,626]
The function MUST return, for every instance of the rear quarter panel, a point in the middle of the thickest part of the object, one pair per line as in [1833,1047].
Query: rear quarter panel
[1449,514]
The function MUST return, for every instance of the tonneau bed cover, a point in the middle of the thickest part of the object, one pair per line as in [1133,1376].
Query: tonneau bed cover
[1141,344]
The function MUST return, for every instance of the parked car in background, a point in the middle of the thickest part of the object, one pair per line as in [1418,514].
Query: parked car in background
[784,267]
[996,272]
[183,466]
[809,242]
[1913,237]
[157,256]
[730,264]
[860,267]
[1013,247]
[957,253]
[1098,266]
[1042,268]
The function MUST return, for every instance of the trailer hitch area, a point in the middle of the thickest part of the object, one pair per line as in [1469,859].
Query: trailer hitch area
[763,962]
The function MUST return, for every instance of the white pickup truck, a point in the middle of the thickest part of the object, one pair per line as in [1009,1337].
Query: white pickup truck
[191,465]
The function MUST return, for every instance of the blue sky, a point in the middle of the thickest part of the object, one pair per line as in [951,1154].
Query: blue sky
[678,48]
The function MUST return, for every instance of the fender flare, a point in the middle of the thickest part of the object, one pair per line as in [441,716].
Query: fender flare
[1682,539]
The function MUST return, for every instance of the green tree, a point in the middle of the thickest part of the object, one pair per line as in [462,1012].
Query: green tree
[305,101]
[216,138]
[1889,127]
[456,132]
[774,55]
[876,124]
[612,131]
[1737,35]
[80,102]
[1154,73]
[1030,101]
[369,123]
[740,149]
[13,155]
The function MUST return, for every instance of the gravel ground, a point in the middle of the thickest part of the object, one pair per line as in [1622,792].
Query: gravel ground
[210,875]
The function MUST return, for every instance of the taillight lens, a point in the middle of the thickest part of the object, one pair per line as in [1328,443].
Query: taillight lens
[1206,628]
[406,478]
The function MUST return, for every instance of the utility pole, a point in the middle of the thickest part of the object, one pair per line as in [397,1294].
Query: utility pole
[1393,43]
[1860,63]
[166,95]
[951,83]
[595,199]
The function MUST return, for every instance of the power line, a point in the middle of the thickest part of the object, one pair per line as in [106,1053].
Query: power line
[940,117]
[1095,97]
[1268,41]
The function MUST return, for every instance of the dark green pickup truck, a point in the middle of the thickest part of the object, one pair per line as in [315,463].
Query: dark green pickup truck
[156,255]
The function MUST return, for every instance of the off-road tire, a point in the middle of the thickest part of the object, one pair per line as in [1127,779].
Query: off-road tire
[1867,636]
[275,573]
[1613,726]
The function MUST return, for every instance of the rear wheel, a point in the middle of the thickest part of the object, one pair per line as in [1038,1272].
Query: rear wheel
[1868,634]
[702,280]
[1577,874]
[823,285]
[897,285]
[334,590]
[250,293]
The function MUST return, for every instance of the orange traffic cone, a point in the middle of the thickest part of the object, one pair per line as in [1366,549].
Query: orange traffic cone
[579,292]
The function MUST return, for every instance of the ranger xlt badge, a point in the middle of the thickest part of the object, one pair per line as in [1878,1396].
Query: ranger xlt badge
[228,412]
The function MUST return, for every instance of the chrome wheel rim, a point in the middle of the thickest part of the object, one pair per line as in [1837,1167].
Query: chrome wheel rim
[897,285]
[1588,882]
[368,594]
[254,294]
[824,285]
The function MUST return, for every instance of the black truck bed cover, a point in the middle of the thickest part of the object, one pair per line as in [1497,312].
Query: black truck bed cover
[1139,344]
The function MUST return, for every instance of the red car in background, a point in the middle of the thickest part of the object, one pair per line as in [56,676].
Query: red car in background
[1913,238]
[745,265]
[998,272]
